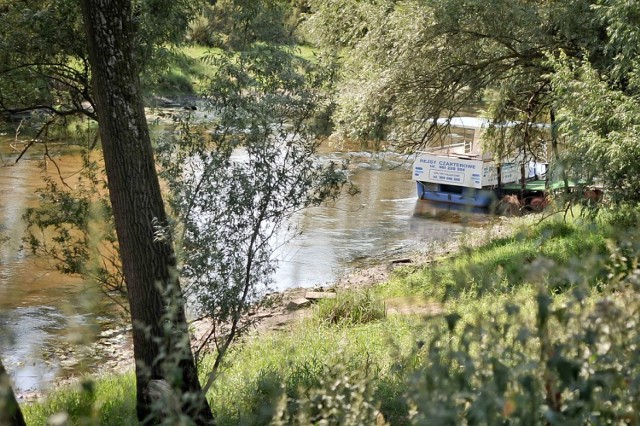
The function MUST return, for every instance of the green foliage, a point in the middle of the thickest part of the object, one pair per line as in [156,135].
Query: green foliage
[622,44]
[73,226]
[235,24]
[42,52]
[106,401]
[505,264]
[625,216]
[530,357]
[600,125]
[44,60]
[540,328]
[342,398]
[173,81]
[199,33]
[501,367]
[343,23]
[562,360]
[235,187]
[408,63]
[277,365]
[161,25]
[351,308]
[527,356]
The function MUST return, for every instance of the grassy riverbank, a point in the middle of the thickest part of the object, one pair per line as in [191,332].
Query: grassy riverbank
[189,69]
[537,325]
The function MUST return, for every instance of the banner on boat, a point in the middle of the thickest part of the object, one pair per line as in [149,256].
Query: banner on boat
[509,171]
[461,172]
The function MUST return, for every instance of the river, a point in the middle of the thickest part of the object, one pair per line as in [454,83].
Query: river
[39,306]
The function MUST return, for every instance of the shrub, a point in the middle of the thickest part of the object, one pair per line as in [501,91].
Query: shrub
[343,398]
[530,357]
[174,81]
[350,308]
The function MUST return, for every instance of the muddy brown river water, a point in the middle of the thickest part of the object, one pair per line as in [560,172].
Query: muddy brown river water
[39,306]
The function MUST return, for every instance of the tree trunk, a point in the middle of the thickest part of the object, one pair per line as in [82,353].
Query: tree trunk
[10,414]
[160,333]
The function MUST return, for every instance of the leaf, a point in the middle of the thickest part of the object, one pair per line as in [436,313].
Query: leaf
[523,335]
[568,370]
[562,315]
[512,309]
[528,383]
[544,302]
[501,375]
[452,320]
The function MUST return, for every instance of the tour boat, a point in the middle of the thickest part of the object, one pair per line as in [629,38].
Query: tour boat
[459,173]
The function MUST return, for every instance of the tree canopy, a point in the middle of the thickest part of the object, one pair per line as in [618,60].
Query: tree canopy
[268,91]
[44,64]
[405,65]
[409,63]
[413,62]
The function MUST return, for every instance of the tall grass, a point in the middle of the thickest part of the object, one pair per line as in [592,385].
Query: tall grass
[188,73]
[292,364]
[351,308]
[109,400]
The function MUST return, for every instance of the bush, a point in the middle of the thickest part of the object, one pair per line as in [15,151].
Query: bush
[350,308]
[199,32]
[527,356]
[531,356]
[174,81]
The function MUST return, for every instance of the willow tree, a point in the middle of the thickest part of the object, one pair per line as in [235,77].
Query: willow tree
[44,68]
[599,108]
[413,62]
[160,334]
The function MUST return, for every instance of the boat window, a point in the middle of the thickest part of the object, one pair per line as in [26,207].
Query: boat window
[430,186]
[452,189]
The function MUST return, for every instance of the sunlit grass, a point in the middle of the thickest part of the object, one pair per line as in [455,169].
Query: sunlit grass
[109,400]
[306,52]
[472,285]
[189,70]
[532,255]
[262,370]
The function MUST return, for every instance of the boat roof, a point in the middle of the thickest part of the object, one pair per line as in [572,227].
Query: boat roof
[477,122]
[465,122]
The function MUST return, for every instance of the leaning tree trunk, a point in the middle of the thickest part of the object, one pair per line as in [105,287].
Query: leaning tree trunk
[10,414]
[148,257]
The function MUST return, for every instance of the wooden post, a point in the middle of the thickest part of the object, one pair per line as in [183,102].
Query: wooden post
[522,181]
[499,169]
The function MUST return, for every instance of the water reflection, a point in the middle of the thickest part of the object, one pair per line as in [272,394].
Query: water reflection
[32,344]
[379,221]
[38,306]
[452,213]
